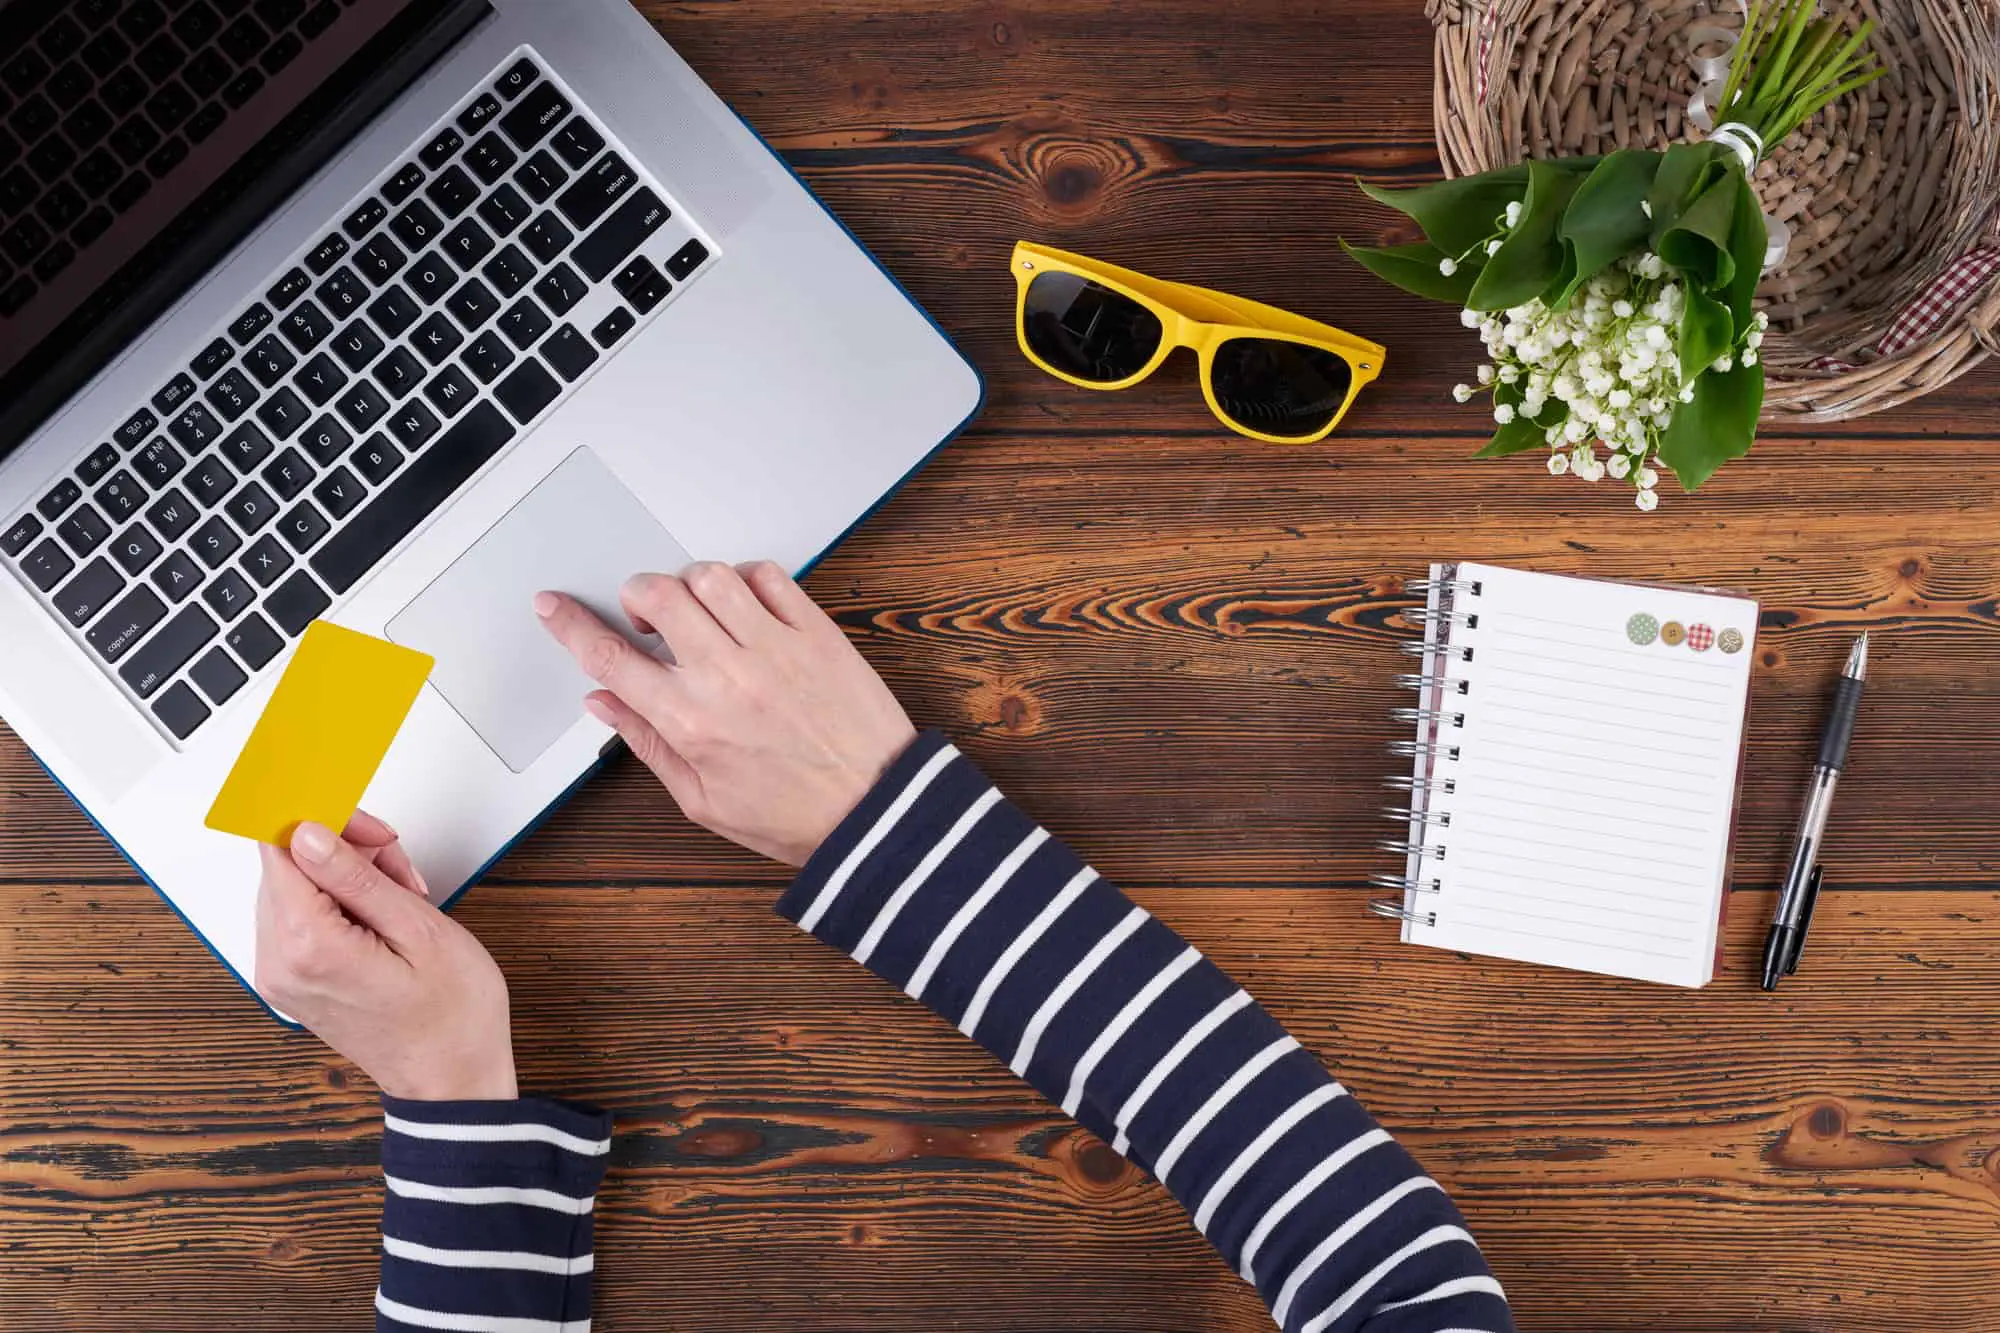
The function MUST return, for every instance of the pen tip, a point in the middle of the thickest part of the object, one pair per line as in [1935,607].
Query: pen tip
[1857,658]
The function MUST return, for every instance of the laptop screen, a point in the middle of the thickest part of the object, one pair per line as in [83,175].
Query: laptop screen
[136,137]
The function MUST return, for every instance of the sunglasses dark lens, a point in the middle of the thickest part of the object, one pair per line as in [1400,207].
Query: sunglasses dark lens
[1089,331]
[1280,388]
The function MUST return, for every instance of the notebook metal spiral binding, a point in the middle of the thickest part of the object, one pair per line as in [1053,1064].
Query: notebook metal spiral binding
[1444,609]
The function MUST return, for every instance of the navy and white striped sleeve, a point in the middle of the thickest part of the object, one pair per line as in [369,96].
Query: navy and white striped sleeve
[946,890]
[486,1217]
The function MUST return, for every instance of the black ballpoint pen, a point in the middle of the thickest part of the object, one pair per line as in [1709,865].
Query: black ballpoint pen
[1802,879]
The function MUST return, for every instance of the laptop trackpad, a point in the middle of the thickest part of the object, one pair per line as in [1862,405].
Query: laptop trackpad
[580,532]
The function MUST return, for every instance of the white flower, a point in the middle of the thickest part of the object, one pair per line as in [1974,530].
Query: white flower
[1533,404]
[1620,399]
[1749,358]
[1648,500]
[1648,478]
[1651,265]
[1447,266]
[1558,464]
[1618,465]
[1656,337]
[1485,373]
[1754,339]
[1687,395]
[1493,247]
[1724,363]
[1504,413]
[1646,207]
[1514,213]
[1574,430]
[1462,392]
[1763,321]
[1509,374]
[1472,319]
[1623,309]
[1600,385]
[1553,435]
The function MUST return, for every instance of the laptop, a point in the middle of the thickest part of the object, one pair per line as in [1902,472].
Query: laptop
[393,312]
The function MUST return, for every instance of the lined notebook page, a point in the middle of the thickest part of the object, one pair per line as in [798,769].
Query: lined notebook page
[1587,821]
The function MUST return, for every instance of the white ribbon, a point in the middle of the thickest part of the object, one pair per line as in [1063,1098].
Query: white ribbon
[1740,139]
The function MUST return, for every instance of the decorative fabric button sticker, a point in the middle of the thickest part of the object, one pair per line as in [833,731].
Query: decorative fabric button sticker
[1730,641]
[1642,629]
[1672,633]
[1701,638]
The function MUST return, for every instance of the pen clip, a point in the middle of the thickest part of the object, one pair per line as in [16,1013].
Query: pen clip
[1811,896]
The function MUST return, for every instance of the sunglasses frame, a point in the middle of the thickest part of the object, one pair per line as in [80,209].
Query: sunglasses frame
[1198,319]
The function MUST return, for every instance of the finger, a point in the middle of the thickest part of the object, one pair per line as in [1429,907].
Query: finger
[651,749]
[363,891]
[725,596]
[383,847]
[605,655]
[299,929]
[779,592]
[367,832]
[671,608]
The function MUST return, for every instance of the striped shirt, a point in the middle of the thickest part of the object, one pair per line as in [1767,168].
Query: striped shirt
[944,889]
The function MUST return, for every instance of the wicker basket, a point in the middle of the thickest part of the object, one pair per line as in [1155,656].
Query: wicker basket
[1892,284]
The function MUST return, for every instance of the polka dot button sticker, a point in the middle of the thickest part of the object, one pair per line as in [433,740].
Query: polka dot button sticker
[1730,641]
[1672,633]
[1642,629]
[1701,638]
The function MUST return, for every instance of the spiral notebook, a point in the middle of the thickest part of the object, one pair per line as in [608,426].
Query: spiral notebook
[1576,758]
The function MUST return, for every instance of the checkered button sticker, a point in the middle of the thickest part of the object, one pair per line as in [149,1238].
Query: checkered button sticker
[1701,638]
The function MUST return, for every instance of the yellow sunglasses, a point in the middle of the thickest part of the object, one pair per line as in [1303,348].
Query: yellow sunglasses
[1266,373]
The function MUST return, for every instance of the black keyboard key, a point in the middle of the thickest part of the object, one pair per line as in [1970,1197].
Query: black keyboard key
[105,52]
[168,107]
[474,117]
[159,463]
[266,561]
[560,288]
[380,260]
[403,184]
[343,293]
[527,390]
[205,122]
[270,360]
[126,623]
[191,630]
[172,515]
[473,303]
[633,276]
[437,338]
[217,674]
[289,288]
[242,40]
[61,39]
[136,549]
[195,427]
[325,440]
[491,158]
[547,237]
[89,592]
[417,225]
[176,577]
[530,120]
[281,52]
[69,85]
[431,479]
[468,243]
[578,142]
[357,345]
[94,468]
[524,323]
[504,209]
[320,379]
[51,158]
[650,292]
[61,206]
[133,140]
[24,70]
[230,595]
[180,711]
[84,531]
[247,447]
[687,259]
[327,253]
[431,277]
[205,76]
[452,191]
[242,88]
[398,373]
[319,18]
[54,260]
[59,499]
[441,149]
[541,176]
[120,497]
[84,126]
[122,91]
[393,311]
[569,352]
[213,358]
[488,355]
[46,565]
[297,604]
[196,24]
[596,190]
[449,391]
[509,270]
[92,225]
[250,323]
[251,508]
[377,459]
[215,543]
[520,76]
[306,327]
[303,526]
[24,240]
[209,482]
[362,405]
[15,539]
[97,173]
[283,413]
[232,395]
[288,474]
[255,642]
[338,492]
[412,424]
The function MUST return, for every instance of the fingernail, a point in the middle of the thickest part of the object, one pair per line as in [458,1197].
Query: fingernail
[600,710]
[546,604]
[423,885]
[312,841]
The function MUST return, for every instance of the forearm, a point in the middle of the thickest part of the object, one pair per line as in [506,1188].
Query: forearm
[947,891]
[488,1213]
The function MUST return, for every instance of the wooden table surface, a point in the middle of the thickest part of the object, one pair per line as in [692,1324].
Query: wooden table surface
[1174,646]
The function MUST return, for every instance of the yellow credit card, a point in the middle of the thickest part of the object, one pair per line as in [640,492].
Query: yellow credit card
[326,730]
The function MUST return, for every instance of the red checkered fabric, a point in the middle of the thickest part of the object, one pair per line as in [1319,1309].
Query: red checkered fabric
[1701,638]
[1936,304]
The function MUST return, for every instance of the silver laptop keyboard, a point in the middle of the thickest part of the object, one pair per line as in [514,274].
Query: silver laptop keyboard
[438,317]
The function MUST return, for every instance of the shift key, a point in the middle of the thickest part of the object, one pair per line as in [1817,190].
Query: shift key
[605,249]
[168,651]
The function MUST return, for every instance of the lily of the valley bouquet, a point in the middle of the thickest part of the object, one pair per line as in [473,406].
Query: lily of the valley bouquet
[1616,294]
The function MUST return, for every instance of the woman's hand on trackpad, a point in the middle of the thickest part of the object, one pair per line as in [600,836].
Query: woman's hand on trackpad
[767,729]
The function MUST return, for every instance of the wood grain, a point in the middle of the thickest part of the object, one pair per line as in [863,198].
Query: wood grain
[1107,585]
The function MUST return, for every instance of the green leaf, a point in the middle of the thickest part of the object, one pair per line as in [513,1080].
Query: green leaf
[1516,437]
[1456,215]
[1720,424]
[1706,333]
[1749,237]
[1700,243]
[1604,221]
[1414,268]
[1686,169]
[1529,261]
